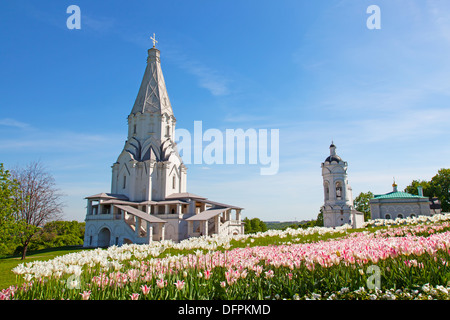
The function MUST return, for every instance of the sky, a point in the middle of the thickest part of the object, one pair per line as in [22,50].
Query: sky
[312,70]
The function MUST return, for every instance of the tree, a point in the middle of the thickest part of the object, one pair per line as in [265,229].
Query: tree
[38,200]
[57,234]
[319,221]
[9,227]
[426,186]
[361,204]
[254,225]
[438,186]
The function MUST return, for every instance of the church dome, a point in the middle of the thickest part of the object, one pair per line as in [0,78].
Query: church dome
[333,158]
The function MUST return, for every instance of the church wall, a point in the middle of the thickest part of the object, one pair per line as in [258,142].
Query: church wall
[118,232]
[404,207]
[357,220]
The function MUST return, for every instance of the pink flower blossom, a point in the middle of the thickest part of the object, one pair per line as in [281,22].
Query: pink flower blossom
[145,289]
[161,283]
[269,274]
[179,284]
[134,296]
[85,295]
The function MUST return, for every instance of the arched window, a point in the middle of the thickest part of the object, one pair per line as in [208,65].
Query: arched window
[327,191]
[400,216]
[388,216]
[338,190]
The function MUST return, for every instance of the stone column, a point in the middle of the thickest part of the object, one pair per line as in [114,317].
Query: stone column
[150,233]
[205,227]
[190,228]
[163,231]
[216,224]
[137,226]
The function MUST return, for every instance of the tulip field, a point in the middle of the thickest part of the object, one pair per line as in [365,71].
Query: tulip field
[401,259]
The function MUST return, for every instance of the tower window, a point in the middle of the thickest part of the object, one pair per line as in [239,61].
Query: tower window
[338,191]
[124,181]
[134,129]
[327,191]
[167,130]
[174,182]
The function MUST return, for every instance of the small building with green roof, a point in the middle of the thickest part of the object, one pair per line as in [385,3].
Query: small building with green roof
[399,204]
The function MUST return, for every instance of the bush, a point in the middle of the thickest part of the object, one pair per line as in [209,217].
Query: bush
[54,234]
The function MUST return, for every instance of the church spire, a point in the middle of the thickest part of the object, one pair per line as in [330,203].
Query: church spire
[152,96]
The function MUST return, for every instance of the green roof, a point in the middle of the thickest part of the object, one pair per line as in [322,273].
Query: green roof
[397,195]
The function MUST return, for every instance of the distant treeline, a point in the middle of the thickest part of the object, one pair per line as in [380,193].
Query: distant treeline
[291,224]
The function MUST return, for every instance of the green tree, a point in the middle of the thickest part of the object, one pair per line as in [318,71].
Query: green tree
[361,204]
[438,186]
[9,227]
[319,220]
[426,186]
[57,234]
[254,225]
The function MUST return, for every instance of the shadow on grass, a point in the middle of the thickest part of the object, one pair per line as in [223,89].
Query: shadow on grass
[65,249]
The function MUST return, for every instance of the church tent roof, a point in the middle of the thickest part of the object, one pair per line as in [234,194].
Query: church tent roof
[152,95]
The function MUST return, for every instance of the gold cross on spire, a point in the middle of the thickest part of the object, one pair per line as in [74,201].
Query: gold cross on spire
[154,40]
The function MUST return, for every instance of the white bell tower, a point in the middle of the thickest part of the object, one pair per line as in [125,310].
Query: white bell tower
[338,199]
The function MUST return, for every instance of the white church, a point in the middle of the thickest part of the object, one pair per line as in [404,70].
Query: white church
[148,199]
[338,206]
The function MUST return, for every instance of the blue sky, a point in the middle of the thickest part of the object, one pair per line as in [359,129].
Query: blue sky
[311,69]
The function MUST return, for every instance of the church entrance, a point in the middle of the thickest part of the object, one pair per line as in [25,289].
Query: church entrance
[104,237]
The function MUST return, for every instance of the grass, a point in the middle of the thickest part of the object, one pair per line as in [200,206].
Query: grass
[8,278]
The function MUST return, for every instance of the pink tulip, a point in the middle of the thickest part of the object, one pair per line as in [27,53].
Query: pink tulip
[179,284]
[161,283]
[145,289]
[85,295]
[134,296]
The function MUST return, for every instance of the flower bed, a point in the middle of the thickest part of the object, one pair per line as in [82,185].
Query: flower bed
[411,262]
